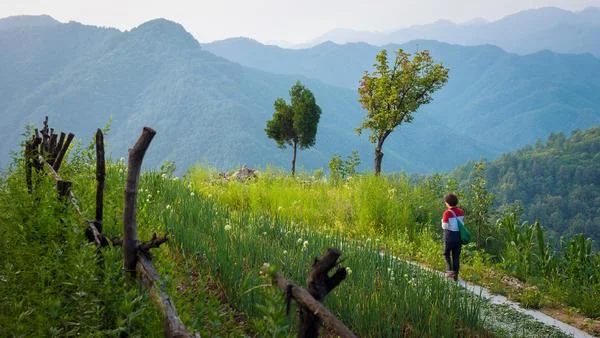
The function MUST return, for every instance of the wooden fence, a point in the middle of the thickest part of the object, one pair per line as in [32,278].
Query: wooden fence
[46,150]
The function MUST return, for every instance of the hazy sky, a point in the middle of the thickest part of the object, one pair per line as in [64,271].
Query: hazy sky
[270,20]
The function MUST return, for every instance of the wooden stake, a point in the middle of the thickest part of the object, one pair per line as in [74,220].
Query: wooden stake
[309,300]
[130,241]
[100,176]
[64,189]
[57,148]
[319,285]
[62,152]
[28,165]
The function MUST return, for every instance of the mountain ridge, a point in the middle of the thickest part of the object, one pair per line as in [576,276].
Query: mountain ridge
[209,109]
[523,32]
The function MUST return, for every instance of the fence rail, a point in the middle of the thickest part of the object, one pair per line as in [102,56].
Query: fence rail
[46,151]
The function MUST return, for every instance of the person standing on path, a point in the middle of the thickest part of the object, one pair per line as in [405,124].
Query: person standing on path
[452,244]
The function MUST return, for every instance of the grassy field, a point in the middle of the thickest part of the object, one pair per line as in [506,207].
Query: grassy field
[403,214]
[222,233]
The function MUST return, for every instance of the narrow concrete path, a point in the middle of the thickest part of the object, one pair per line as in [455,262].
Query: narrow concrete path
[537,315]
[501,300]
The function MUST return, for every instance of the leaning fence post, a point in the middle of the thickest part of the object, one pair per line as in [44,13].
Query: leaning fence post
[130,241]
[62,152]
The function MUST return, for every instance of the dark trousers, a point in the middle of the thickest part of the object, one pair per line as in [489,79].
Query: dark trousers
[452,247]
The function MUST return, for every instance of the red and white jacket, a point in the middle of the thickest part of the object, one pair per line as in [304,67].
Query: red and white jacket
[449,221]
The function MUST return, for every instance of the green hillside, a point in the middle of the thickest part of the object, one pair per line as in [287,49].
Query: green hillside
[501,100]
[556,182]
[213,111]
[209,110]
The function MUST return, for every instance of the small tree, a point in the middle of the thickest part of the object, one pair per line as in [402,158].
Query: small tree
[391,96]
[295,124]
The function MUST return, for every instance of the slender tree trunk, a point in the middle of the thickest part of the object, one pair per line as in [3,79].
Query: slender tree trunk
[378,152]
[378,159]
[294,159]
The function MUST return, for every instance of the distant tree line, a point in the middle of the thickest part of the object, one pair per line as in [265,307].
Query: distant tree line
[556,182]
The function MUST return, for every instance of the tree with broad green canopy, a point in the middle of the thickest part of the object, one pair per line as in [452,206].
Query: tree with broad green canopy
[392,95]
[295,124]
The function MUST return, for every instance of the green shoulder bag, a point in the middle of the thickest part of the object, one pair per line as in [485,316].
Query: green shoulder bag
[465,234]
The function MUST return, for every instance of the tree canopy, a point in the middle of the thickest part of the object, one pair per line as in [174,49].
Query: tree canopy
[295,124]
[392,95]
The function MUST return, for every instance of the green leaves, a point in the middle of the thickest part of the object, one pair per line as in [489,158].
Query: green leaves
[392,95]
[297,122]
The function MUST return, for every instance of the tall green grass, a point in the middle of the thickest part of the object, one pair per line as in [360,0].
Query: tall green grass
[52,283]
[381,297]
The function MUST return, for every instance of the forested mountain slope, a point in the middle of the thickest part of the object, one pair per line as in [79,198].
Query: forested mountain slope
[503,101]
[556,182]
[206,109]
[210,110]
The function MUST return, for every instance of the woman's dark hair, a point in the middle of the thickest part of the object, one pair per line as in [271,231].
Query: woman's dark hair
[451,199]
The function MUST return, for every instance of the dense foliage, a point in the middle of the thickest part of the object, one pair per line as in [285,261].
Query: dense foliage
[295,124]
[556,182]
[405,213]
[392,93]
[52,283]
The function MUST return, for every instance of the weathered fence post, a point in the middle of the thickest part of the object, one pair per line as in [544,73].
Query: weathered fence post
[311,311]
[28,165]
[319,285]
[64,189]
[100,176]
[62,152]
[130,241]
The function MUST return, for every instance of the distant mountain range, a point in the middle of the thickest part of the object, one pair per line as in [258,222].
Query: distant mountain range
[500,100]
[212,110]
[525,32]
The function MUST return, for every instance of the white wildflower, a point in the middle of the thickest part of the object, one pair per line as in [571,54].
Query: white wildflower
[299,240]
[285,252]
[227,227]
[192,194]
[305,244]
[168,207]
[348,270]
[163,176]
